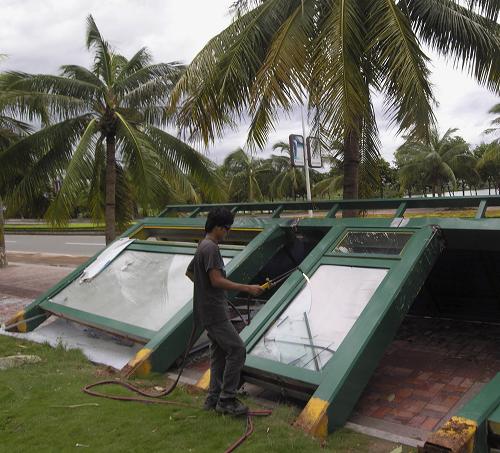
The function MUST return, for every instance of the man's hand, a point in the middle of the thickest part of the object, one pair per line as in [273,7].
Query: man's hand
[254,290]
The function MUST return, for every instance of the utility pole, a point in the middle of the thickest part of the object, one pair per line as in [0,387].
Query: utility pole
[306,160]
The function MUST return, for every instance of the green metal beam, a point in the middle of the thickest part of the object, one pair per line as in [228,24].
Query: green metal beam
[276,213]
[481,210]
[384,203]
[333,211]
[109,325]
[350,368]
[195,212]
[401,210]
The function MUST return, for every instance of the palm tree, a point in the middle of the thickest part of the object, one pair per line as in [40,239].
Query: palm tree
[242,172]
[11,130]
[495,123]
[288,181]
[488,165]
[432,162]
[107,137]
[279,53]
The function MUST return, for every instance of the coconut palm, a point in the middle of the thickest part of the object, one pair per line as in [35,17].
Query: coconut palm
[488,165]
[288,181]
[432,162]
[495,123]
[107,137]
[279,53]
[242,172]
[11,130]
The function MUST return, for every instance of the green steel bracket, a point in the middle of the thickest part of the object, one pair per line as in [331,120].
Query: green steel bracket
[365,204]
[333,211]
[349,370]
[494,427]
[401,210]
[276,213]
[467,431]
[481,210]
[195,212]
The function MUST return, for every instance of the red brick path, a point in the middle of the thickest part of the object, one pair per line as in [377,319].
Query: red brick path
[428,369]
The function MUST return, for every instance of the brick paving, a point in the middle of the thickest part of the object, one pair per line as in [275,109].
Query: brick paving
[429,370]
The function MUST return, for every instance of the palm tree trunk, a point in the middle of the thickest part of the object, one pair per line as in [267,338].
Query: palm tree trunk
[3,255]
[351,171]
[110,209]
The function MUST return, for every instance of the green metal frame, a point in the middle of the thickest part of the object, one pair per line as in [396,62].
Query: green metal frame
[343,378]
[44,304]
[339,384]
[400,205]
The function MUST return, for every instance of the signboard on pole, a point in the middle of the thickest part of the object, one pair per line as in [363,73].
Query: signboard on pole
[314,152]
[297,150]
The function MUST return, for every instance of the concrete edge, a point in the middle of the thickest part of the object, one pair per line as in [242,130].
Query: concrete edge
[384,435]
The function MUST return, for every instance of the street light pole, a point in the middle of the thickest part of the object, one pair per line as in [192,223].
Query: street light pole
[306,160]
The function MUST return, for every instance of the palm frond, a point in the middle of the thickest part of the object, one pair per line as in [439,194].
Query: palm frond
[452,29]
[102,59]
[77,177]
[403,68]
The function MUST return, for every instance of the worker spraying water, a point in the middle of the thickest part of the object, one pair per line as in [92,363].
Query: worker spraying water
[210,310]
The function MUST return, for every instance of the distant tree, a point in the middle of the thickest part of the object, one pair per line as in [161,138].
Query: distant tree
[242,172]
[495,123]
[431,162]
[488,165]
[106,137]
[288,181]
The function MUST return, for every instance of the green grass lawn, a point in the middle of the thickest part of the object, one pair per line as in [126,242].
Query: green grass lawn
[35,415]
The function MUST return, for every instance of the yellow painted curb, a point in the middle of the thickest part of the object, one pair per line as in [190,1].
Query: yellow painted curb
[456,436]
[204,381]
[21,326]
[314,418]
[139,364]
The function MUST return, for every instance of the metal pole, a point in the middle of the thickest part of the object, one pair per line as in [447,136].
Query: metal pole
[306,161]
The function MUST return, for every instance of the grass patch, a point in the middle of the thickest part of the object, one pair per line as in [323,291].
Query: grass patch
[32,419]
[46,226]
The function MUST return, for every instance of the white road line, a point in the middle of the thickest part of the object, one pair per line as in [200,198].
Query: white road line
[84,243]
[10,242]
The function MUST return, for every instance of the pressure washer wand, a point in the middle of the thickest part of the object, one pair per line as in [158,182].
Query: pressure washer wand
[271,283]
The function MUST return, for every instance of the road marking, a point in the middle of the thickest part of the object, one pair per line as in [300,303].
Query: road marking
[84,243]
[10,242]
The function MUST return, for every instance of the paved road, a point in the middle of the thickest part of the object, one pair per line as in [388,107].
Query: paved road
[65,245]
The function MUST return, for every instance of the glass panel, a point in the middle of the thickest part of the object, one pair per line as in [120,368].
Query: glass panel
[371,242]
[139,288]
[316,322]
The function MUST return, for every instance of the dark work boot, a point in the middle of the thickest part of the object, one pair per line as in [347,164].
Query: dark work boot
[231,406]
[210,403]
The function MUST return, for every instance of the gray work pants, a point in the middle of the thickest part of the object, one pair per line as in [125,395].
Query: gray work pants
[227,357]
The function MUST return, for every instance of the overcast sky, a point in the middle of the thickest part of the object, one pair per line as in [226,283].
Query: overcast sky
[40,36]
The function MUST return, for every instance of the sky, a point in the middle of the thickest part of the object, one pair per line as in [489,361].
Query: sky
[39,37]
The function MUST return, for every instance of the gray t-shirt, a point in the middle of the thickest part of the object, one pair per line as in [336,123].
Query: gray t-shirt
[209,303]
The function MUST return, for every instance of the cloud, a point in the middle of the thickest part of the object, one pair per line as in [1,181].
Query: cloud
[41,36]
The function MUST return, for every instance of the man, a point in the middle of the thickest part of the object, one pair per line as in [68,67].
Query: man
[210,310]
